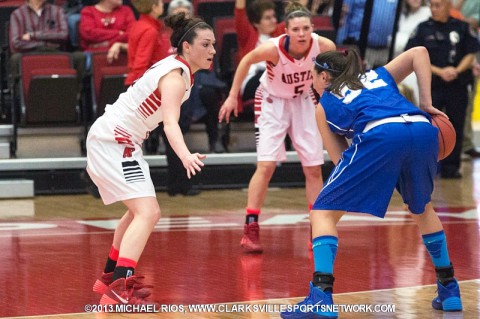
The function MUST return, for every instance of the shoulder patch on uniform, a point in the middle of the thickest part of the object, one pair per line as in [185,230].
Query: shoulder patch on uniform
[454,37]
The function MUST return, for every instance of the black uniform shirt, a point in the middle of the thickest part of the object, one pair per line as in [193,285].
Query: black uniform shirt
[447,44]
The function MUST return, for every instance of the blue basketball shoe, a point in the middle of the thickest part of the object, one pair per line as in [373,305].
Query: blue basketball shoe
[318,304]
[448,298]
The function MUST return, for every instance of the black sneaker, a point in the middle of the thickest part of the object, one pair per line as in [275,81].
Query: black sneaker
[449,173]
[473,153]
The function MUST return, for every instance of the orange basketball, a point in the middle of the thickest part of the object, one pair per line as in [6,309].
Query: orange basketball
[446,135]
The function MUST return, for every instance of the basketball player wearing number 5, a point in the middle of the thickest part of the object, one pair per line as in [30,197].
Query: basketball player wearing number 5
[393,146]
[284,103]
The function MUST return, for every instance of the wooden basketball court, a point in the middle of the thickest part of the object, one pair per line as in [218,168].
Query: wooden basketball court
[54,247]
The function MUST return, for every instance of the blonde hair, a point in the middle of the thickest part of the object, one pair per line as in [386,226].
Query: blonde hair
[294,9]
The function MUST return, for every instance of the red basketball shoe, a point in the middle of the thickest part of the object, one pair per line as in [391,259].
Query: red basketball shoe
[140,290]
[122,291]
[251,238]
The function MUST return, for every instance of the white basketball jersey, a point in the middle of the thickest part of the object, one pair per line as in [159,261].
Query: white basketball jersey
[138,110]
[290,77]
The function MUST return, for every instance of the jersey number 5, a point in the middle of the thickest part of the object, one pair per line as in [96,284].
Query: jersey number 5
[298,90]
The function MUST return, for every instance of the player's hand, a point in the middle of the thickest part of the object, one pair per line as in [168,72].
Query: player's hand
[228,106]
[433,110]
[193,163]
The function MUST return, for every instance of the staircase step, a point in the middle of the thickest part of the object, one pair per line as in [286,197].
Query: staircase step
[16,188]
[4,150]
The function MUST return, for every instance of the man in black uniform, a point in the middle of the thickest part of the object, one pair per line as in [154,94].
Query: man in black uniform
[452,45]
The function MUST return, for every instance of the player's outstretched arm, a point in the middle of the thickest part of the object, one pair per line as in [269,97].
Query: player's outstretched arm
[174,85]
[265,52]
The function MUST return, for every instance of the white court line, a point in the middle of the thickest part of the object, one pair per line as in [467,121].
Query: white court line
[212,228]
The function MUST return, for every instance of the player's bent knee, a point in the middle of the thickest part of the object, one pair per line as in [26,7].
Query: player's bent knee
[157,216]
[314,172]
[265,169]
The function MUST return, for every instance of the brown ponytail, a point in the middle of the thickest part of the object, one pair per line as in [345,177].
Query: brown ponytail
[344,68]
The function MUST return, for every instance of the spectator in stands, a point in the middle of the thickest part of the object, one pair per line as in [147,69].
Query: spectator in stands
[105,26]
[146,43]
[206,97]
[413,12]
[72,9]
[254,25]
[38,26]
[381,27]
[451,45]
[324,7]
[177,181]
[203,102]
[284,104]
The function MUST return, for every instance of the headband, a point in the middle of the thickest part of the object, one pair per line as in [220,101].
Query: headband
[190,29]
[325,66]
[296,11]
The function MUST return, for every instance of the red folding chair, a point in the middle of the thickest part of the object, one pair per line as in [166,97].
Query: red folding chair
[48,93]
[107,80]
[48,89]
[323,26]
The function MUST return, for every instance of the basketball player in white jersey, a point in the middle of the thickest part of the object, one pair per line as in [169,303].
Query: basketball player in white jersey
[284,103]
[114,151]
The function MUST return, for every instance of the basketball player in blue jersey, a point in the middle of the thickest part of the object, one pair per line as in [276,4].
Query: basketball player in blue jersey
[393,146]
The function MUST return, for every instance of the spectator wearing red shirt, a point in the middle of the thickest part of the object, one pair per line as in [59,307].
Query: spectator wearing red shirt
[105,26]
[255,25]
[146,44]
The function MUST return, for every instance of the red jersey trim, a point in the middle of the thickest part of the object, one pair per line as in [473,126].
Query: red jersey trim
[179,58]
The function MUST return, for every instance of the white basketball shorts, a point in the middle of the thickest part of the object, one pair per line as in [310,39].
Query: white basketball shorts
[275,117]
[116,164]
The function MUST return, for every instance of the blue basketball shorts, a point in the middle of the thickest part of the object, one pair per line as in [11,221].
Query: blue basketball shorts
[393,155]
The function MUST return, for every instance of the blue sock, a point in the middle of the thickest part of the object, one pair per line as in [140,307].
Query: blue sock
[324,252]
[436,244]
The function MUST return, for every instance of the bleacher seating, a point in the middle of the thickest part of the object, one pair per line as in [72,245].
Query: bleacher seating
[48,93]
[5,12]
[211,9]
[323,26]
[227,47]
[107,80]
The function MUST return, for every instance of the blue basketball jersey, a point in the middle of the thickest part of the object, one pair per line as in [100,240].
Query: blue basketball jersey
[348,114]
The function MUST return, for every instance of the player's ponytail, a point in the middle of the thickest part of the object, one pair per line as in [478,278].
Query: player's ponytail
[344,68]
[184,29]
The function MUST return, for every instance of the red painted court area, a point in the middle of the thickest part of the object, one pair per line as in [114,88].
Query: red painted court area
[48,267]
